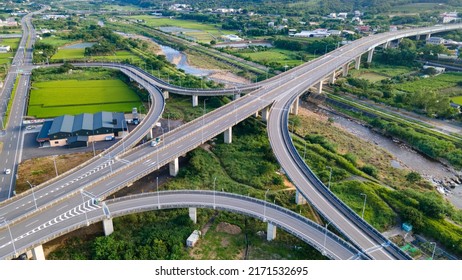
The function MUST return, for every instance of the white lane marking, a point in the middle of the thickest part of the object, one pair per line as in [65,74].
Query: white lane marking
[60,208]
[31,223]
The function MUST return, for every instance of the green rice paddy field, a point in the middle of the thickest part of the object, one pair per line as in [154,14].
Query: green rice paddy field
[55,98]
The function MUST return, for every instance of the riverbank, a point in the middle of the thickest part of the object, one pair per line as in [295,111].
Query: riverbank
[439,175]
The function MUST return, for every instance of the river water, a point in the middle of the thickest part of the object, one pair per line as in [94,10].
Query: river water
[181,61]
[405,157]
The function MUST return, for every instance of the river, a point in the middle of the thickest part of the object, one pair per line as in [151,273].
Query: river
[181,61]
[405,156]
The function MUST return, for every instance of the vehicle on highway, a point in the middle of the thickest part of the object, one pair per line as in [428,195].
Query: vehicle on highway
[7,171]
[109,138]
[155,142]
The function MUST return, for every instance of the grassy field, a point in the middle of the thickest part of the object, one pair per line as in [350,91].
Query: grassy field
[418,8]
[69,54]
[457,99]
[283,57]
[79,54]
[370,76]
[55,98]
[57,41]
[380,72]
[199,31]
[437,83]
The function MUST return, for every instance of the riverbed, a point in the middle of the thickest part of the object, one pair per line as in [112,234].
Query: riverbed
[405,157]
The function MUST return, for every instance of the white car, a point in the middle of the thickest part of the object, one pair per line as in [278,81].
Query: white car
[7,171]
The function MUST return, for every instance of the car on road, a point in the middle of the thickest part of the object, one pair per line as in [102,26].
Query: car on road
[7,171]
[155,142]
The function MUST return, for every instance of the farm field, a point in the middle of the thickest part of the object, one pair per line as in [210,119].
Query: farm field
[198,31]
[437,83]
[79,54]
[55,98]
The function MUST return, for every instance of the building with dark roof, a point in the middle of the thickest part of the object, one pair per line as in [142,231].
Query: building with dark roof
[79,130]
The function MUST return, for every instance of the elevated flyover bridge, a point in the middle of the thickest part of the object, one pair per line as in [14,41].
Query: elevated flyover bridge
[282,91]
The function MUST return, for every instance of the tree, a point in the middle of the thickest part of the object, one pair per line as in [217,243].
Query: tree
[413,177]
[412,216]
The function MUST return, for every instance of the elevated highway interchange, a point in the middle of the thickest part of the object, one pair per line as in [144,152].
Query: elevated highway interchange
[63,194]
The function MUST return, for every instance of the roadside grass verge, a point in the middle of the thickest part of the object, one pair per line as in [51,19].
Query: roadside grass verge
[10,102]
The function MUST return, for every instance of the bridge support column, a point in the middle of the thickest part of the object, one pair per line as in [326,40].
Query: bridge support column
[195,100]
[236,96]
[38,254]
[358,62]
[193,214]
[166,94]
[370,54]
[428,36]
[320,87]
[345,70]
[174,167]
[417,37]
[108,227]
[265,114]
[294,107]
[299,199]
[271,232]
[332,78]
[228,135]
[149,135]
[386,45]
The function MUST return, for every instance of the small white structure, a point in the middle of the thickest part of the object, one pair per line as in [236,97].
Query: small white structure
[449,17]
[435,41]
[332,15]
[193,238]
[4,49]
[232,38]
[342,15]
[271,24]
[335,32]
[318,33]
[393,28]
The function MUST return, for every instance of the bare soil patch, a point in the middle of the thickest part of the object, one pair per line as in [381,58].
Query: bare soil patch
[228,228]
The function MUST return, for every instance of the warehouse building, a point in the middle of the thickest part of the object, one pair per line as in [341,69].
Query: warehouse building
[78,131]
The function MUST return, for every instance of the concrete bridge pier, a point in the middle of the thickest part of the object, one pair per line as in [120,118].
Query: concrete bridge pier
[370,54]
[195,100]
[319,87]
[108,227]
[428,36]
[332,78]
[174,167]
[345,70]
[166,94]
[358,62]
[236,96]
[228,135]
[294,107]
[38,254]
[271,232]
[193,214]
[150,135]
[417,37]
[386,45]
[299,199]
[265,114]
